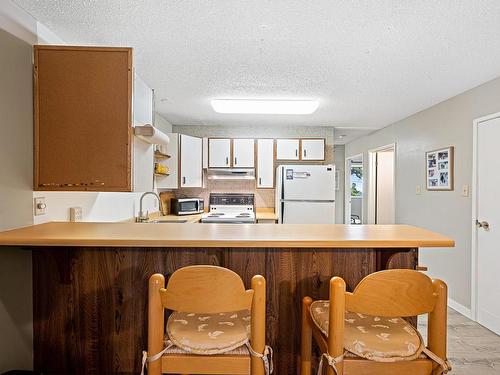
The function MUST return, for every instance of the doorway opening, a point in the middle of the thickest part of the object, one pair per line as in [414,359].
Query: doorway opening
[354,190]
[381,190]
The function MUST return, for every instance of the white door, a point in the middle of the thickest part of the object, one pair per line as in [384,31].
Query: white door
[191,174]
[172,163]
[488,239]
[308,213]
[243,153]
[287,149]
[219,152]
[385,213]
[265,163]
[313,149]
[309,182]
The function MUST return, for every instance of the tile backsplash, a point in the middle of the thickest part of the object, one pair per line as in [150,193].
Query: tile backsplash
[264,198]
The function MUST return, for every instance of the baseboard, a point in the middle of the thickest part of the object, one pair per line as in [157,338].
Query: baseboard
[460,308]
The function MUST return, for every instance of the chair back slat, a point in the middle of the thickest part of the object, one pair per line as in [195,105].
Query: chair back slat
[391,293]
[206,289]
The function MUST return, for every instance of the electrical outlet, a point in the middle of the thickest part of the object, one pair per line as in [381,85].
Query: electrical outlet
[75,214]
[465,190]
[40,206]
[418,189]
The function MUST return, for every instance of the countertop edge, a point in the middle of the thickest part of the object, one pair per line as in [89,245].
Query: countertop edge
[344,244]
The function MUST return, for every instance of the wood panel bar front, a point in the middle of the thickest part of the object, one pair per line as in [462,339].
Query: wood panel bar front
[90,303]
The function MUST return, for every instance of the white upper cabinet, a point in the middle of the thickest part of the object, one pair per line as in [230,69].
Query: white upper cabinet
[142,109]
[243,153]
[171,180]
[287,149]
[219,152]
[265,163]
[313,149]
[191,173]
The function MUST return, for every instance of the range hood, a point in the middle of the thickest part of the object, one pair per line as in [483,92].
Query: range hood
[231,174]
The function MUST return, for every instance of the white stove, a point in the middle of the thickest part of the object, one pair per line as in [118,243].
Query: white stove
[231,208]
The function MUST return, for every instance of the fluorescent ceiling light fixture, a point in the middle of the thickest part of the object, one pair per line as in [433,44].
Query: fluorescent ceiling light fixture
[265,107]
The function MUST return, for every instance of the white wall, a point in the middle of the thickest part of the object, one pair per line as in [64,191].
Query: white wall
[446,124]
[16,171]
[22,25]
[162,124]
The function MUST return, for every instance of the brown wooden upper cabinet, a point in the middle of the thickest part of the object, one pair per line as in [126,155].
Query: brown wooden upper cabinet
[300,149]
[84,113]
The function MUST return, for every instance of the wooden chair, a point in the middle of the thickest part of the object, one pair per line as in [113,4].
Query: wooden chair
[389,294]
[206,290]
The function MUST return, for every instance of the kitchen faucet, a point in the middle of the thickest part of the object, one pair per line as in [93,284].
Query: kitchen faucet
[143,218]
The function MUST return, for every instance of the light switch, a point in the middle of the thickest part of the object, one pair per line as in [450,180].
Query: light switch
[465,190]
[75,214]
[40,206]
[418,189]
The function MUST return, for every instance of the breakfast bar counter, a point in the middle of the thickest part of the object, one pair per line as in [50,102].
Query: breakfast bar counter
[222,235]
[90,279]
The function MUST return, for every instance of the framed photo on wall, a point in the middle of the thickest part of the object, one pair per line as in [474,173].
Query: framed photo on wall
[439,169]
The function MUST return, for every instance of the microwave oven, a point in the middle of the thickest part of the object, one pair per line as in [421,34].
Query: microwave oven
[187,206]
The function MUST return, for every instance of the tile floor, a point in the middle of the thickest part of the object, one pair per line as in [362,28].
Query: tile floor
[472,349]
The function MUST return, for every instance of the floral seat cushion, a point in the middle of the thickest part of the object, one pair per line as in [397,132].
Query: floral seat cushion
[209,333]
[376,338]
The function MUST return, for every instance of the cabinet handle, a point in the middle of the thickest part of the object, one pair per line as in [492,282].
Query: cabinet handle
[296,152]
[305,152]
[260,181]
[235,160]
[227,160]
[184,180]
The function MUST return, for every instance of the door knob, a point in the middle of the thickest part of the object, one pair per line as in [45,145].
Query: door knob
[483,224]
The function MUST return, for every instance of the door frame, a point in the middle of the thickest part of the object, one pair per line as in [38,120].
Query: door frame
[347,187]
[474,196]
[372,170]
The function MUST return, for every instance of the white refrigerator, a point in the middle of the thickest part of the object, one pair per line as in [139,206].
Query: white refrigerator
[305,194]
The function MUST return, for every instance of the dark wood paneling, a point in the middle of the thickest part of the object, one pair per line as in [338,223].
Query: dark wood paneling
[90,304]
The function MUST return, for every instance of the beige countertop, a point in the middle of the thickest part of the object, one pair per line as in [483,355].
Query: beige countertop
[195,218]
[260,214]
[222,235]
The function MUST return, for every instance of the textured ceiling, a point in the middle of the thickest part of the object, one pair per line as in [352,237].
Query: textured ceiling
[369,63]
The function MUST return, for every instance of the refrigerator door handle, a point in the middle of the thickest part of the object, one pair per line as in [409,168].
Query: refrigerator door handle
[282,183]
[308,200]
[301,174]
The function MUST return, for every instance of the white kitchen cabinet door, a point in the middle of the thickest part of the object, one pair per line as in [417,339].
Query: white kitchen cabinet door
[265,163]
[287,149]
[191,173]
[205,152]
[142,152]
[313,149]
[243,153]
[219,152]
[171,181]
